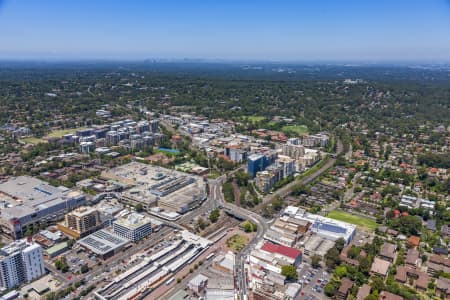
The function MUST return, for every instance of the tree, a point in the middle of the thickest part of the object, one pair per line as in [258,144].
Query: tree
[332,258]
[139,207]
[201,223]
[341,271]
[214,215]
[249,226]
[377,283]
[84,269]
[290,272]
[340,244]
[61,264]
[330,289]
[315,261]
[353,252]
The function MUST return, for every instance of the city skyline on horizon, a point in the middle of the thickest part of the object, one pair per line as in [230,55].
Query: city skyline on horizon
[385,31]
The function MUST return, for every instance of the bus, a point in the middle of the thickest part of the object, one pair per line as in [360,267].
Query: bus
[170,280]
[211,255]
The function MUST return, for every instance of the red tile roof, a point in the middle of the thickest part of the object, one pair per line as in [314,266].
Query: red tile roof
[280,249]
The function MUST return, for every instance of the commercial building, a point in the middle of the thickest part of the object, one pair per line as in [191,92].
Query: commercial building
[20,262]
[153,186]
[198,284]
[80,222]
[103,243]
[133,226]
[289,255]
[322,226]
[26,200]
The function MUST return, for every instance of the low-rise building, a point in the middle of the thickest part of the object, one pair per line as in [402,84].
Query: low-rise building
[388,252]
[344,289]
[363,292]
[384,295]
[198,284]
[420,278]
[103,243]
[380,267]
[443,287]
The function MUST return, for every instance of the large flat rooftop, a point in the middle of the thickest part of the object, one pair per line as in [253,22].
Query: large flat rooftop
[133,220]
[151,184]
[102,242]
[24,195]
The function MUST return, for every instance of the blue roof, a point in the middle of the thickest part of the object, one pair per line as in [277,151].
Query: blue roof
[329,227]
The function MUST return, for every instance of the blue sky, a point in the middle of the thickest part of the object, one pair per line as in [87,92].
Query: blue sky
[300,30]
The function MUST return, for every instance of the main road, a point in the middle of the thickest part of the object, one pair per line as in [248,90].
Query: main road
[216,199]
[262,224]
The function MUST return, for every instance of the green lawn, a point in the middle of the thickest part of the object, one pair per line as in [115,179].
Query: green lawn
[254,118]
[237,242]
[61,132]
[297,129]
[32,140]
[361,222]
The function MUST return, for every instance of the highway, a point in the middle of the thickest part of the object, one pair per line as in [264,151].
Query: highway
[216,197]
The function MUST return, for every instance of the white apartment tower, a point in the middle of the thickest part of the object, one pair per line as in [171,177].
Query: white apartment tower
[20,262]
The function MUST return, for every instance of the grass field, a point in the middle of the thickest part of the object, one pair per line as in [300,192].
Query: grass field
[297,129]
[254,118]
[361,222]
[32,140]
[237,242]
[54,134]
[61,132]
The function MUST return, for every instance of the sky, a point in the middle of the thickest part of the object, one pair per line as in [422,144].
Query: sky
[277,30]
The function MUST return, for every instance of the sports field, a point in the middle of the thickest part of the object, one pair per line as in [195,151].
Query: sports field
[363,223]
[32,140]
[61,132]
[297,129]
[254,118]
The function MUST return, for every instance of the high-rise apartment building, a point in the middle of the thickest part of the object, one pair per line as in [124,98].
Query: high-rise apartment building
[20,262]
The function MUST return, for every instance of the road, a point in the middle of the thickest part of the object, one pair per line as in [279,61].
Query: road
[114,261]
[262,224]
[216,199]
[285,190]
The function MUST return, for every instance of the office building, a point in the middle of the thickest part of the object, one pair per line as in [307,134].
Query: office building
[20,262]
[80,222]
[133,226]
